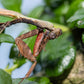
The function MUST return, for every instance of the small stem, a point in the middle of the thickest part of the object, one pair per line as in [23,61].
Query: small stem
[11,69]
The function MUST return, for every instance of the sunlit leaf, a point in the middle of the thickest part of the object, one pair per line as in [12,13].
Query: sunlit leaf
[4,19]
[64,28]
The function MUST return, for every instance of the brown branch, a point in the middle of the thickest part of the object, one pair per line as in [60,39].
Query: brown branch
[23,19]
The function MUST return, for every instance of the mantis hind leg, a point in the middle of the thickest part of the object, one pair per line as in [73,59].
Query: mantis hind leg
[25,50]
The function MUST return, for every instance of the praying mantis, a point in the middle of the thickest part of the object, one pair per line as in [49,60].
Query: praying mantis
[42,36]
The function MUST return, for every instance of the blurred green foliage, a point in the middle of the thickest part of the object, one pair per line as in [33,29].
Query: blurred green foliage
[5,19]
[6,38]
[5,78]
[57,58]
[14,5]
[33,80]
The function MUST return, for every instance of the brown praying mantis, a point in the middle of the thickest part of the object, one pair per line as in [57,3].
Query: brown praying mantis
[42,36]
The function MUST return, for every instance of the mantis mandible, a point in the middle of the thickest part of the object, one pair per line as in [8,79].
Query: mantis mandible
[41,40]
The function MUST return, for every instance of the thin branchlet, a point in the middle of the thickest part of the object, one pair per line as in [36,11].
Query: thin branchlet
[24,20]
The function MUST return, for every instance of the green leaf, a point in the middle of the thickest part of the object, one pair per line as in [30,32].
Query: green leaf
[62,10]
[16,81]
[14,52]
[33,80]
[30,42]
[42,80]
[77,19]
[54,47]
[4,19]
[80,11]
[58,56]
[65,63]
[47,17]
[6,38]
[75,5]
[36,12]
[14,5]
[78,15]
[5,78]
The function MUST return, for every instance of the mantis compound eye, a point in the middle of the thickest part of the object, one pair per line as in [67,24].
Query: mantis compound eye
[55,33]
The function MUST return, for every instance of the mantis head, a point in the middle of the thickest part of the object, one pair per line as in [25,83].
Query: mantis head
[55,33]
